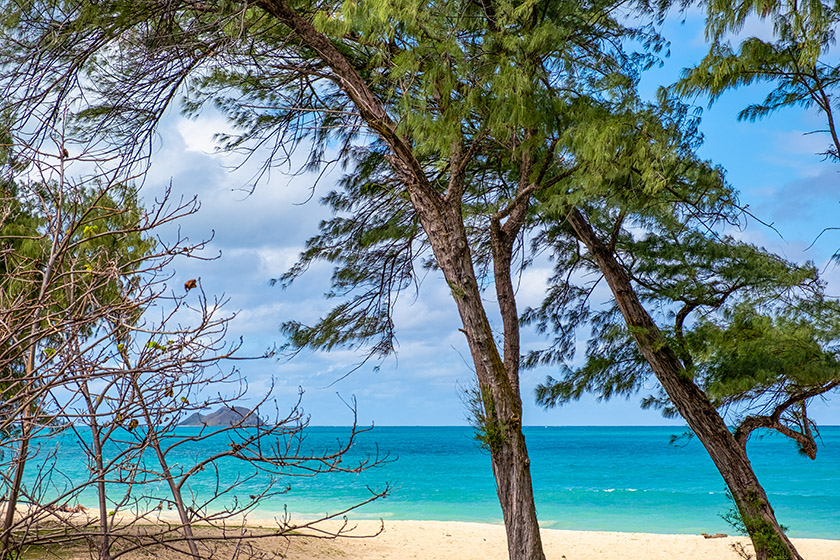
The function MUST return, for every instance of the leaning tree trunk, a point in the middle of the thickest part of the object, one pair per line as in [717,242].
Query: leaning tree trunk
[442,220]
[769,540]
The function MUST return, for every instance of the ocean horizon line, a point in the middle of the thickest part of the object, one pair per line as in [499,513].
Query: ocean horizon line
[600,478]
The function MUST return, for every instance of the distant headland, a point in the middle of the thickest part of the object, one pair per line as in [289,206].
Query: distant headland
[225,416]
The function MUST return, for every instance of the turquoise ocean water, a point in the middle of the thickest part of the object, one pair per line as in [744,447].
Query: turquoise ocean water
[590,478]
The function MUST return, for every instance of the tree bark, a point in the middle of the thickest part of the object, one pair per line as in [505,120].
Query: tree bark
[498,384]
[6,548]
[442,220]
[511,468]
[769,540]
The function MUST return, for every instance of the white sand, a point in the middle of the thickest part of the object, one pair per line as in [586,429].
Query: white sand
[451,540]
[437,540]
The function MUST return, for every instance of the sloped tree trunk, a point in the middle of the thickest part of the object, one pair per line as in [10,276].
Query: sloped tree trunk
[441,218]
[768,539]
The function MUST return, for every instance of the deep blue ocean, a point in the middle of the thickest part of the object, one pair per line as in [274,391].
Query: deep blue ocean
[589,478]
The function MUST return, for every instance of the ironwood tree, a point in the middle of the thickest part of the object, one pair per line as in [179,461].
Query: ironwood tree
[452,115]
[797,61]
[691,305]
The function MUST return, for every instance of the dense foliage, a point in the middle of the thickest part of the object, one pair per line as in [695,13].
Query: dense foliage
[476,136]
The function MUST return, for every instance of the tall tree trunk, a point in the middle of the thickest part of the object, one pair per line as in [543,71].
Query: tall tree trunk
[511,465]
[503,426]
[511,468]
[31,414]
[498,380]
[442,220]
[768,539]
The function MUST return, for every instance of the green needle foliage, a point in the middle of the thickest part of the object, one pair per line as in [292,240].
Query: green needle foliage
[756,332]
[747,351]
[468,129]
[797,59]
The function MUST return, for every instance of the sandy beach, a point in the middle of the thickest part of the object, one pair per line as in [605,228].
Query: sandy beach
[437,540]
[450,540]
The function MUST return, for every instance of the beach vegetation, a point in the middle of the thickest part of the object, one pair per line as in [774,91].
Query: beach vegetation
[99,352]
[482,416]
[469,132]
[451,119]
[764,533]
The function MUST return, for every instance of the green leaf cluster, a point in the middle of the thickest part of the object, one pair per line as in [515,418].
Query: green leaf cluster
[796,60]
[748,326]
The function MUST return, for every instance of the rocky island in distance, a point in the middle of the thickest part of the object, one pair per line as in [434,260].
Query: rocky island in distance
[225,416]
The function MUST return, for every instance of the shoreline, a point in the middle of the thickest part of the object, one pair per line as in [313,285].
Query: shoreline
[368,539]
[635,480]
[461,540]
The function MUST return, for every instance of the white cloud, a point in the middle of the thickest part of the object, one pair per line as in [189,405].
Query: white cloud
[272,261]
[531,286]
[197,134]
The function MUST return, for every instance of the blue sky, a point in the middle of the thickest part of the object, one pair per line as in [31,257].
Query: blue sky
[258,235]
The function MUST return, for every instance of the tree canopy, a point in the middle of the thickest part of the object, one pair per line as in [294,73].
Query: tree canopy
[468,131]
[796,60]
